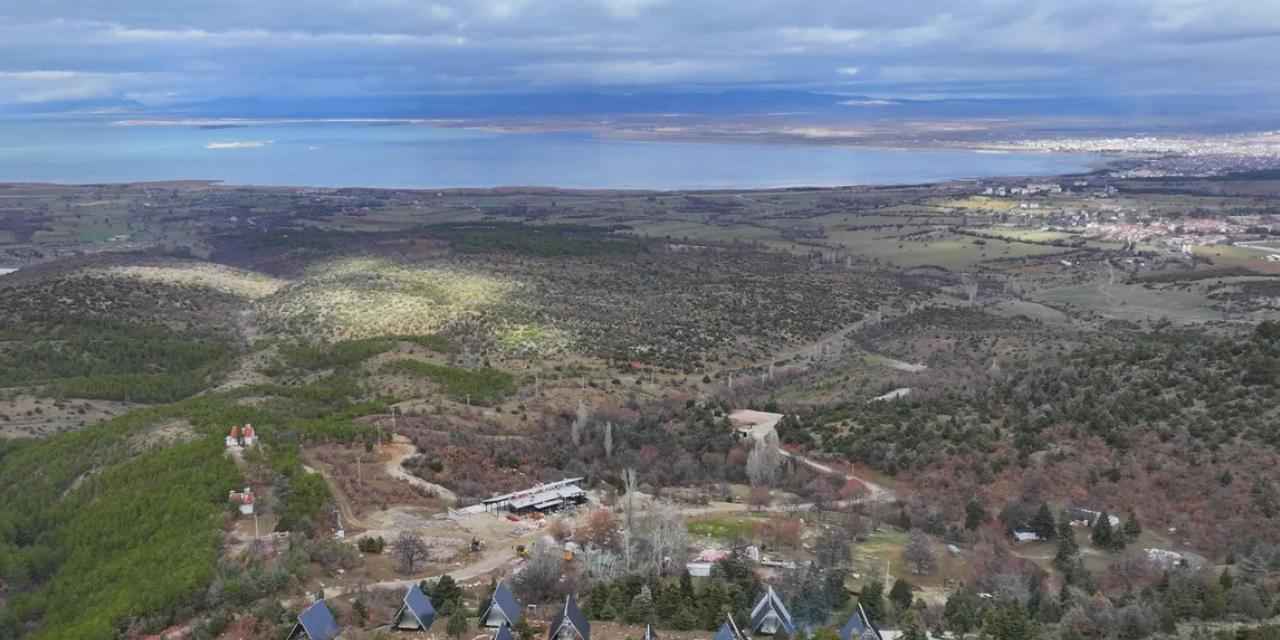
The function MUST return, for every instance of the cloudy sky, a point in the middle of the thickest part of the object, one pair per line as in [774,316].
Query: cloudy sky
[164,52]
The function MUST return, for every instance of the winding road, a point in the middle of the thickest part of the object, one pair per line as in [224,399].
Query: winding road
[762,423]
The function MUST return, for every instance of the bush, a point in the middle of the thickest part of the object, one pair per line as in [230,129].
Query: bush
[372,544]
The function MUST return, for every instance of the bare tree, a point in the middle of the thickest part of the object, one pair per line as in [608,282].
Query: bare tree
[538,580]
[764,461]
[970,288]
[919,554]
[661,540]
[579,423]
[411,551]
[629,481]
[608,440]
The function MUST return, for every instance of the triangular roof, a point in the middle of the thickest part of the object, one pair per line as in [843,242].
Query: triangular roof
[505,602]
[571,616]
[417,604]
[316,622]
[859,627]
[729,630]
[503,633]
[771,602]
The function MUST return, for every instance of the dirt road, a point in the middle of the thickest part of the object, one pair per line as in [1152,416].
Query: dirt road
[401,449]
[761,424]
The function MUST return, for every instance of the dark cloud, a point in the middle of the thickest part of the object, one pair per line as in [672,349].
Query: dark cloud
[163,51]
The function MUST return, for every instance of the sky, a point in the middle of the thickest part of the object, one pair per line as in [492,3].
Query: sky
[160,53]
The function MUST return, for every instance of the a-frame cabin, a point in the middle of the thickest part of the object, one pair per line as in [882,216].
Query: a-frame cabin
[416,612]
[770,616]
[502,608]
[315,623]
[569,623]
[860,627]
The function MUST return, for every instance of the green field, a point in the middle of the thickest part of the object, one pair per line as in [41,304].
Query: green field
[726,528]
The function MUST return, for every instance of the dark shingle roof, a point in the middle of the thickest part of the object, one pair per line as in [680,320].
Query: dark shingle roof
[418,603]
[506,602]
[571,616]
[574,614]
[769,603]
[728,630]
[317,621]
[503,633]
[859,627]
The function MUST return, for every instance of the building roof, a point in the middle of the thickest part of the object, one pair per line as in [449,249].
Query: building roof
[534,490]
[570,616]
[419,605]
[649,633]
[729,630]
[771,603]
[505,602]
[317,621]
[547,498]
[859,627]
[503,633]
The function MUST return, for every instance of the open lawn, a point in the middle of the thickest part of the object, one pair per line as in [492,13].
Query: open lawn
[940,248]
[1132,302]
[725,528]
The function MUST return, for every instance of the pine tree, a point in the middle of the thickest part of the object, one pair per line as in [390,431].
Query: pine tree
[872,600]
[667,604]
[598,602]
[712,605]
[911,629]
[900,595]
[1043,523]
[1008,621]
[1215,602]
[446,595]
[961,614]
[458,624]
[685,618]
[1132,528]
[641,609]
[1068,550]
[686,586]
[1103,536]
[974,514]
[833,586]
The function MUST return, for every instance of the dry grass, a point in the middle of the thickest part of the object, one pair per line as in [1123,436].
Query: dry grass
[237,282]
[360,298]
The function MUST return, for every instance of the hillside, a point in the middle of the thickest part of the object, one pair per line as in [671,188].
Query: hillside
[404,355]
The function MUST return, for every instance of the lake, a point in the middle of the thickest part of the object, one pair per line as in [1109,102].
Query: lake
[336,154]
